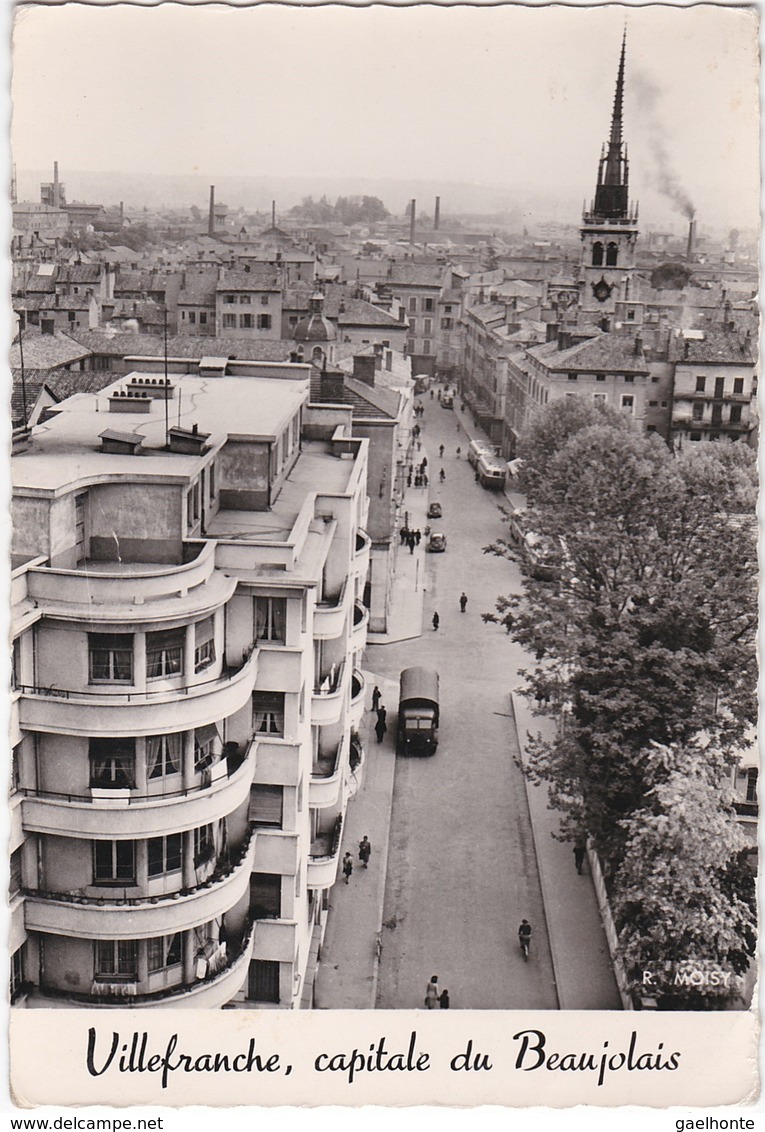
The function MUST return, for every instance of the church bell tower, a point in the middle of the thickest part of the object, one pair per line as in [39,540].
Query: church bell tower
[609,227]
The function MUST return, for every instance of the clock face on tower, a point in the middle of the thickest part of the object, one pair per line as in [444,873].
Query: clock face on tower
[601,290]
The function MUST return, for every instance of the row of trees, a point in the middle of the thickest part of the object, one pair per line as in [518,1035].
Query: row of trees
[345,210]
[644,647]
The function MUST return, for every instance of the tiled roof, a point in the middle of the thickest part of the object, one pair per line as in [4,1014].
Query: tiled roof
[46,351]
[365,401]
[260,280]
[122,345]
[199,290]
[416,275]
[82,273]
[717,346]
[42,284]
[606,352]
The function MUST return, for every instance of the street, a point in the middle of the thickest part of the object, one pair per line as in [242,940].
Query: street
[462,869]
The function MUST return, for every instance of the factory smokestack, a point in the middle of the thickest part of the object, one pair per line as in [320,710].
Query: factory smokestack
[211,217]
[56,191]
[412,221]
[437,215]
[691,237]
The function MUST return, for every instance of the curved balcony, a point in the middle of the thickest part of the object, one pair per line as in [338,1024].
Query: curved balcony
[329,617]
[133,584]
[208,994]
[324,856]
[360,626]
[361,553]
[327,775]
[107,918]
[358,698]
[328,699]
[65,712]
[141,815]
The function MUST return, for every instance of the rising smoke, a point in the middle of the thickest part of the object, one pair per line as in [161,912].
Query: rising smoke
[663,176]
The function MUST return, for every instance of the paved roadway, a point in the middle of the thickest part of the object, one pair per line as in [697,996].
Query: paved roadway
[462,869]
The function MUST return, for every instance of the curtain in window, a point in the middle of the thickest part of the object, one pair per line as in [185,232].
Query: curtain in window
[268,713]
[163,755]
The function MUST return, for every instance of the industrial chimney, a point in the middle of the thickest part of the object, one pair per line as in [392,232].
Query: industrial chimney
[412,221]
[437,215]
[691,237]
[211,217]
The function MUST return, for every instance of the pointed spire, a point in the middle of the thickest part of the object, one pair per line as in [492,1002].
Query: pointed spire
[616,117]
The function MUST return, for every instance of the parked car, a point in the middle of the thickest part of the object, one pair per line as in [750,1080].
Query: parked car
[437,543]
[435,511]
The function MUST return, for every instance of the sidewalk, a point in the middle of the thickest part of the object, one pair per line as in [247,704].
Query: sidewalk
[581,960]
[347,975]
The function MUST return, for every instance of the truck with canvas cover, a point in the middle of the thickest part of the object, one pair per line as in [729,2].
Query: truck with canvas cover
[418,712]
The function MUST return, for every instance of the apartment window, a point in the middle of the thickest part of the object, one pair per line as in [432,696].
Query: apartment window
[426,346]
[412,325]
[115,958]
[266,896]
[16,768]
[17,973]
[229,298]
[263,983]
[270,618]
[446,324]
[409,347]
[600,377]
[653,404]
[229,322]
[112,763]
[630,316]
[16,876]
[203,318]
[114,862]
[192,316]
[650,428]
[628,403]
[245,321]
[413,304]
[164,952]
[428,305]
[655,380]
[573,377]
[599,399]
[110,657]
[751,784]
[204,650]
[211,480]
[163,755]
[447,309]
[183,316]
[698,410]
[629,378]
[204,845]
[427,327]
[719,386]
[246,299]
[738,385]
[164,653]
[735,414]
[293,320]
[264,300]
[268,713]
[266,805]
[700,384]
[264,322]
[72,316]
[206,740]
[165,854]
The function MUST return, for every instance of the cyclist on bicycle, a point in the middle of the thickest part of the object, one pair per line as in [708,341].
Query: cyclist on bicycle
[524,937]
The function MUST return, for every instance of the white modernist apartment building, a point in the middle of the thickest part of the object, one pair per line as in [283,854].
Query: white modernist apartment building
[188,632]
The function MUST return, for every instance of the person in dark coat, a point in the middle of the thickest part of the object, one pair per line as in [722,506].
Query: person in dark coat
[443,1000]
[408,479]
[579,854]
[365,851]
[403,532]
[347,867]
[436,620]
[412,541]
[463,601]
[376,697]
[417,536]
[381,726]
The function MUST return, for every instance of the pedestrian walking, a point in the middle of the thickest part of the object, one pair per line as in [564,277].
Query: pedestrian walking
[403,532]
[579,854]
[442,475]
[419,446]
[408,479]
[365,851]
[347,867]
[424,479]
[376,697]
[436,621]
[380,727]
[439,396]
[412,541]
[441,451]
[463,601]
[431,993]
[417,536]
[443,1000]
[424,463]
[431,394]
[459,450]
[417,479]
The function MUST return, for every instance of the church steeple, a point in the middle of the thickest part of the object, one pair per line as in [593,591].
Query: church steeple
[612,192]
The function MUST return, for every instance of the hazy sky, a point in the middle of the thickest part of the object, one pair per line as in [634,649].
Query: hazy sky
[510,96]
